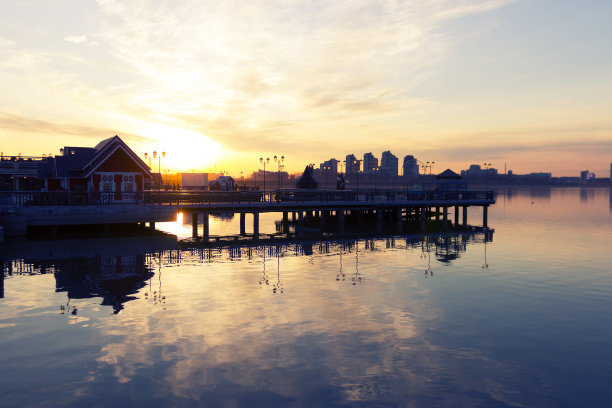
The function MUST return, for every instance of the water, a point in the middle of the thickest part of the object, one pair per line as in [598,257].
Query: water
[519,318]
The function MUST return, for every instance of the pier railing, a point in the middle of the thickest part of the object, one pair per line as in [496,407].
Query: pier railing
[236,197]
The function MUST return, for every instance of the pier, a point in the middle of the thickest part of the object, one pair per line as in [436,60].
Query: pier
[297,208]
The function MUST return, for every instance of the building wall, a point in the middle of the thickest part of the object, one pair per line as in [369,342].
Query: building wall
[389,164]
[352,164]
[410,166]
[370,163]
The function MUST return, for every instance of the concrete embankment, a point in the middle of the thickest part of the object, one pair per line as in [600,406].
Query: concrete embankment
[16,220]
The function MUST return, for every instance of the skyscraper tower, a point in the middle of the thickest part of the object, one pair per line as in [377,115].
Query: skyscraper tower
[388,164]
[370,163]
[352,164]
[411,166]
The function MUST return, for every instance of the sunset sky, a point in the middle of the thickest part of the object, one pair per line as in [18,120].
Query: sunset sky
[218,84]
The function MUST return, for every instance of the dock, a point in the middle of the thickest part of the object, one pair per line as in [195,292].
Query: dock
[297,209]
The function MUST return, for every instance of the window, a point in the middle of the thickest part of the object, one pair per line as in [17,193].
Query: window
[128,187]
[107,187]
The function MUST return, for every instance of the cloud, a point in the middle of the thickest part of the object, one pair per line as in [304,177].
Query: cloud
[77,39]
[21,124]
[247,66]
[295,75]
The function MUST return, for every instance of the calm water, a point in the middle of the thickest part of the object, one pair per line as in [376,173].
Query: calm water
[519,318]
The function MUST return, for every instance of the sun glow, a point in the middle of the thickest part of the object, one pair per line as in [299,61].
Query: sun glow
[185,149]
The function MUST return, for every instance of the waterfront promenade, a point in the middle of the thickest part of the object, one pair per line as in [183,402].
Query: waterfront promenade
[37,209]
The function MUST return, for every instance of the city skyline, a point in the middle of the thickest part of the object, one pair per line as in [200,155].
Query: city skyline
[219,85]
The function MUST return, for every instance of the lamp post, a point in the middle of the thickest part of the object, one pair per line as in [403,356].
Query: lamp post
[264,161]
[163,154]
[358,171]
[146,156]
[155,155]
[430,165]
[279,161]
[487,166]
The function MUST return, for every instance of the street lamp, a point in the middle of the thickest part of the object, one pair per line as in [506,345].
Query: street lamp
[430,165]
[163,154]
[264,161]
[158,157]
[279,161]
[487,166]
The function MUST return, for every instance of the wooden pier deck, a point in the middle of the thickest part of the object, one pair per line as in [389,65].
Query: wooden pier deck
[328,206]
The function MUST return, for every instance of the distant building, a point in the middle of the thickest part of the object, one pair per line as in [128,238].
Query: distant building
[223,183]
[610,171]
[584,174]
[476,171]
[194,181]
[329,166]
[411,166]
[388,164]
[370,163]
[352,164]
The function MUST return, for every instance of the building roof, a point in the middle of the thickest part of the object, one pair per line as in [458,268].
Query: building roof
[448,174]
[83,161]
[106,148]
[227,179]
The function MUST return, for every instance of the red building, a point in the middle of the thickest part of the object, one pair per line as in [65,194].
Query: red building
[109,173]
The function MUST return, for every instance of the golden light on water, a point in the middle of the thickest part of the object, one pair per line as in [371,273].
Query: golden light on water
[175,227]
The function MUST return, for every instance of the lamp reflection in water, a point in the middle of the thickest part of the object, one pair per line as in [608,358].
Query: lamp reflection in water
[278,287]
[426,253]
[357,278]
[264,278]
[485,265]
[340,274]
[156,295]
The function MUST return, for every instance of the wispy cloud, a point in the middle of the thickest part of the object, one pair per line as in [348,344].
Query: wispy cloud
[245,66]
[76,39]
[26,125]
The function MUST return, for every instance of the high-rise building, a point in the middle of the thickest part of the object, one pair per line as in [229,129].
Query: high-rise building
[411,166]
[329,166]
[352,164]
[388,164]
[370,163]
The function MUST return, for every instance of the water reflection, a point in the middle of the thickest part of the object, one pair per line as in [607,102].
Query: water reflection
[112,269]
[117,269]
[586,194]
[206,330]
[266,325]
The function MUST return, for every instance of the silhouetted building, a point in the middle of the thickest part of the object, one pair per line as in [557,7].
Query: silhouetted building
[583,175]
[587,176]
[449,180]
[475,171]
[370,163]
[352,164]
[329,166]
[388,164]
[223,183]
[411,166]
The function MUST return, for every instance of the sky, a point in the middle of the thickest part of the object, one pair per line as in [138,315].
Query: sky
[522,84]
